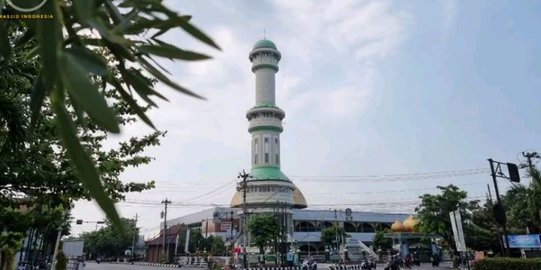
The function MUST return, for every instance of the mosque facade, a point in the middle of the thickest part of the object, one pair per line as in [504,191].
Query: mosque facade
[269,189]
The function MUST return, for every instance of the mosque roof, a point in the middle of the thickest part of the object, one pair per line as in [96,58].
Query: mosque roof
[267,173]
[264,43]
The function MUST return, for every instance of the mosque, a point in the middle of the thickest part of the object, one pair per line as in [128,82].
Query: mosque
[269,190]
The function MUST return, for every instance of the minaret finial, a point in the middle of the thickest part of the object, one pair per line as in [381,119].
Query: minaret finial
[264,33]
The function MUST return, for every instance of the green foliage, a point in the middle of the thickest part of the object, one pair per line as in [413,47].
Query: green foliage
[380,242]
[109,242]
[508,264]
[61,261]
[329,235]
[433,212]
[217,245]
[69,70]
[523,204]
[264,230]
[481,230]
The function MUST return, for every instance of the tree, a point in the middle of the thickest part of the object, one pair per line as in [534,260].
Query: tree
[217,245]
[130,32]
[481,230]
[329,235]
[433,212]
[264,230]
[523,203]
[109,242]
[520,209]
[380,242]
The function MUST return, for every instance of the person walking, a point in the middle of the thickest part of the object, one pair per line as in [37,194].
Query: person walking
[289,258]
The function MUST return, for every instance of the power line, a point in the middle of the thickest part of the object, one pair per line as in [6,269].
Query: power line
[400,175]
[393,179]
[391,191]
[322,204]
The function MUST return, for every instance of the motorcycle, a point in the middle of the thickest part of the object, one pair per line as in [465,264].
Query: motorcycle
[394,264]
[416,261]
[435,261]
[368,264]
[98,260]
[408,262]
[309,264]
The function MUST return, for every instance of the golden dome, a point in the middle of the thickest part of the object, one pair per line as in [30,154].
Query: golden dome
[410,223]
[299,201]
[398,227]
[237,199]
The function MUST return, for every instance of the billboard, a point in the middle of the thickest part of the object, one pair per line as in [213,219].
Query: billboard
[73,248]
[524,241]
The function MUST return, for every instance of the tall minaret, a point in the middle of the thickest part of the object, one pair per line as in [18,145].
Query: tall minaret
[268,186]
[265,118]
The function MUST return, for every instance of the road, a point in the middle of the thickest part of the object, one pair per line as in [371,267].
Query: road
[107,266]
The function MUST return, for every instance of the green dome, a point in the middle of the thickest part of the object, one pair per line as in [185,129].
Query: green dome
[268,173]
[264,43]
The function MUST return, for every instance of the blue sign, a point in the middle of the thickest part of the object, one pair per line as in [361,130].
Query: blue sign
[524,241]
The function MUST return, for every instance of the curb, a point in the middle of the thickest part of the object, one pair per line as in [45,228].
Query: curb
[274,268]
[345,267]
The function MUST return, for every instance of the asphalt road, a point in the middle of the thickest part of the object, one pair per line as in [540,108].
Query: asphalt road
[107,266]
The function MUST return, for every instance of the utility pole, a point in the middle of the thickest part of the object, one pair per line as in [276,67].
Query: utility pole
[529,156]
[231,230]
[493,173]
[244,187]
[59,235]
[134,234]
[336,229]
[166,202]
[284,233]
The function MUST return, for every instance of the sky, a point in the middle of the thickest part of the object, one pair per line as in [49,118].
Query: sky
[384,101]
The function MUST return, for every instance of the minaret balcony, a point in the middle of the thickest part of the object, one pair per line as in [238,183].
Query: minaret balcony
[265,123]
[265,112]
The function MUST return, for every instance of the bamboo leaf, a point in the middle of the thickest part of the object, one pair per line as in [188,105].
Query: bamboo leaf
[5,48]
[49,38]
[86,94]
[139,85]
[196,33]
[172,52]
[84,166]
[85,9]
[37,96]
[132,103]
[156,73]
[89,60]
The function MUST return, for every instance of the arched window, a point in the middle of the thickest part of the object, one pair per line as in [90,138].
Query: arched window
[256,150]
[367,227]
[266,149]
[349,227]
[277,146]
[326,224]
[305,226]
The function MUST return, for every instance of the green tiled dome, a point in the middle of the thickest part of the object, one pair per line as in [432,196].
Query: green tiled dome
[268,173]
[264,43]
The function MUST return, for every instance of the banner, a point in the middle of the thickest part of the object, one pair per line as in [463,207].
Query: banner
[458,233]
[187,243]
[524,241]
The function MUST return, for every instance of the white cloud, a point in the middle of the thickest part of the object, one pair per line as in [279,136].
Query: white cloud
[328,74]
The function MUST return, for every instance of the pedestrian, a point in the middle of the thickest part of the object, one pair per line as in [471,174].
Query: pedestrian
[289,258]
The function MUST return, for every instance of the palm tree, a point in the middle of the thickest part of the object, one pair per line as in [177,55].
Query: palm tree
[524,202]
[535,195]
